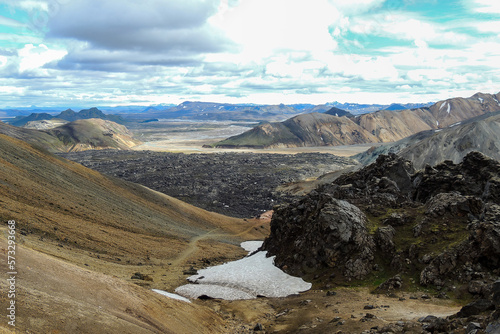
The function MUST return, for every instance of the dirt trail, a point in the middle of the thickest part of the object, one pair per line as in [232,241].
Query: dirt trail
[192,246]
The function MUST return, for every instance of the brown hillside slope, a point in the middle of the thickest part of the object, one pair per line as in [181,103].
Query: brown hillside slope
[103,225]
[79,135]
[389,126]
[53,296]
[94,133]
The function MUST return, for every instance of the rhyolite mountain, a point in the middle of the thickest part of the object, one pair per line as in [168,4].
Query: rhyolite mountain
[68,115]
[452,143]
[436,227]
[78,135]
[314,129]
[381,126]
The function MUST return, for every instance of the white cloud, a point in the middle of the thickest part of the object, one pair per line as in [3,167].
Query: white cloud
[487,6]
[262,27]
[32,57]
[352,7]
[491,26]
[403,26]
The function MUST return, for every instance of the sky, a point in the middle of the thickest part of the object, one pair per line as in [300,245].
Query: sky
[128,52]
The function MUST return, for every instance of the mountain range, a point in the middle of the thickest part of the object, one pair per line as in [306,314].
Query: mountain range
[206,111]
[67,115]
[325,129]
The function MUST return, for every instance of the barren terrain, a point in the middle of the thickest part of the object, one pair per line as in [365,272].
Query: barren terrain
[82,236]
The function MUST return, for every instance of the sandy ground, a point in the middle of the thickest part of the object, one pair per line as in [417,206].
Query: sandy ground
[74,292]
[189,137]
[195,146]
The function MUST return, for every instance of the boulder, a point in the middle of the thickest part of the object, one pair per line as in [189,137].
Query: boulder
[321,231]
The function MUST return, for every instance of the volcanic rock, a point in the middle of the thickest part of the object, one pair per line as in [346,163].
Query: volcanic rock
[321,231]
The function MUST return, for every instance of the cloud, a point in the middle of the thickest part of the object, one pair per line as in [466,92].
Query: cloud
[178,26]
[487,6]
[117,35]
[32,57]
[263,27]
[404,26]
[263,51]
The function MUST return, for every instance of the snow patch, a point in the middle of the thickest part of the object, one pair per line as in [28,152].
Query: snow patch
[171,295]
[438,130]
[480,99]
[449,108]
[437,123]
[455,124]
[251,246]
[215,291]
[442,105]
[246,278]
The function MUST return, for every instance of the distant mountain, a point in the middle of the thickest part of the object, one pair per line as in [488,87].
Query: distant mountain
[68,115]
[22,120]
[381,126]
[359,109]
[224,111]
[75,136]
[338,112]
[452,143]
[396,106]
[314,129]
[95,133]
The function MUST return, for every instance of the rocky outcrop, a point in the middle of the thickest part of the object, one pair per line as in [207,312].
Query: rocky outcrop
[321,231]
[441,223]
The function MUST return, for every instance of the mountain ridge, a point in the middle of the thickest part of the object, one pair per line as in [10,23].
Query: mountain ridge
[452,143]
[67,115]
[381,126]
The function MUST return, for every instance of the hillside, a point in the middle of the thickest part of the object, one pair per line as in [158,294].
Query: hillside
[451,143]
[67,115]
[314,129]
[81,236]
[94,133]
[75,136]
[381,126]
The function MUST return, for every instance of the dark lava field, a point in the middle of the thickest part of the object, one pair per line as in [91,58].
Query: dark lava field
[235,184]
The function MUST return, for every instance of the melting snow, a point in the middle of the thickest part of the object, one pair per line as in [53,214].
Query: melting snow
[172,295]
[449,108]
[247,278]
[480,99]
[442,105]
[455,124]
[496,101]
[251,246]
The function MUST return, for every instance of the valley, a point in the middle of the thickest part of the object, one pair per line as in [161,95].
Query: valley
[240,185]
[389,246]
